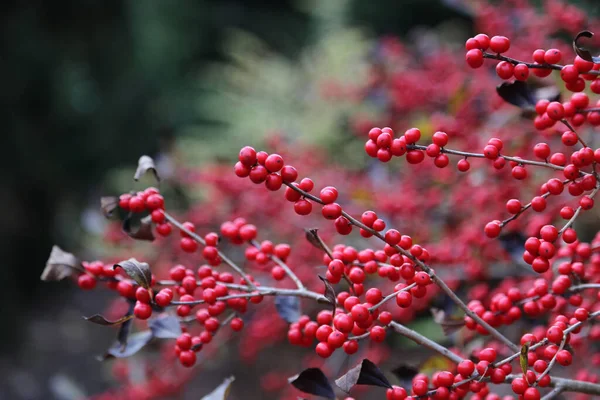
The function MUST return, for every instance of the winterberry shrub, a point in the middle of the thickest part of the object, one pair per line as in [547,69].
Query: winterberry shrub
[476,230]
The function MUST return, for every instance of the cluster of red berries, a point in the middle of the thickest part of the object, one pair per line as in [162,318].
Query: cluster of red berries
[382,145]
[573,75]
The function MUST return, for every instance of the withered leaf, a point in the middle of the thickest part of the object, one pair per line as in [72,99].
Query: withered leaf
[313,238]
[165,327]
[108,204]
[138,271]
[313,381]
[221,392]
[100,320]
[449,324]
[60,265]
[365,373]
[135,343]
[582,51]
[143,231]
[288,307]
[145,164]
[329,293]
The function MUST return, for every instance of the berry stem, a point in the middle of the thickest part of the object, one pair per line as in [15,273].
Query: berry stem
[481,155]
[554,393]
[283,265]
[577,212]
[514,61]
[391,296]
[553,361]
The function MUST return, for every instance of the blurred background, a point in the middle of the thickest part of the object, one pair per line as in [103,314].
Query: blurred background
[88,86]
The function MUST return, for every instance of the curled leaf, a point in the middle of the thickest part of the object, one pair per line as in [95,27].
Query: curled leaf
[138,271]
[449,324]
[288,307]
[165,327]
[145,164]
[221,392]
[313,381]
[60,265]
[135,343]
[143,230]
[100,320]
[523,358]
[329,293]
[313,238]
[582,51]
[365,373]
[108,204]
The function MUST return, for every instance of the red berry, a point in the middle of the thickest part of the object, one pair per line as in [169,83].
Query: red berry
[521,72]
[302,207]
[86,282]
[474,58]
[499,44]
[142,310]
[505,70]
[377,334]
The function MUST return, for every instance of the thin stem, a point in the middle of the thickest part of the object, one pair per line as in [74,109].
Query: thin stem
[391,296]
[577,212]
[521,211]
[424,341]
[200,240]
[586,110]
[552,394]
[584,286]
[514,61]
[283,265]
[481,155]
[553,360]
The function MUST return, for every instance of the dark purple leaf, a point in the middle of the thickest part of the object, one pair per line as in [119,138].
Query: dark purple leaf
[329,293]
[449,324]
[108,204]
[313,381]
[100,320]
[517,93]
[288,307]
[365,373]
[60,265]
[165,327]
[135,343]
[145,164]
[138,229]
[138,271]
[582,51]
